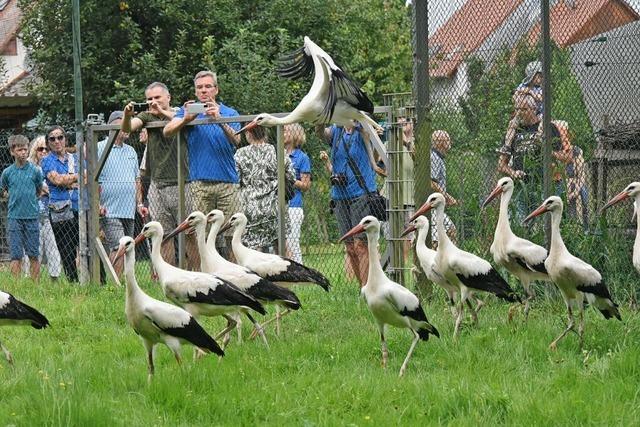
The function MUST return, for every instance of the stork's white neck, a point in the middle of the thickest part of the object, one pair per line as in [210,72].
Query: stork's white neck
[443,239]
[133,290]
[504,227]
[205,258]
[211,249]
[376,274]
[239,250]
[159,264]
[557,244]
[421,239]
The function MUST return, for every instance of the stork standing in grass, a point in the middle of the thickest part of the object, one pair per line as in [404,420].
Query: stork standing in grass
[198,293]
[465,270]
[212,262]
[389,302]
[280,270]
[631,191]
[15,312]
[427,259]
[574,277]
[156,321]
[520,257]
[333,97]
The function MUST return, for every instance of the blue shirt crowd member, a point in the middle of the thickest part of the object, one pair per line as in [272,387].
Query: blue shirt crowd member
[118,180]
[301,165]
[346,143]
[23,183]
[67,165]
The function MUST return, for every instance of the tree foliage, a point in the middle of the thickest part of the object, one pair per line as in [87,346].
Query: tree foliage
[130,43]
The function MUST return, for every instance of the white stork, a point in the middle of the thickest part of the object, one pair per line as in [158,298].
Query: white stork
[463,269]
[333,97]
[157,321]
[427,260]
[15,312]
[198,293]
[280,270]
[632,191]
[212,262]
[574,277]
[389,302]
[522,258]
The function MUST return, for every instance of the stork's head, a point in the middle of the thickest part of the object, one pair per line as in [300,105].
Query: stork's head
[631,191]
[434,201]
[216,216]
[237,220]
[552,204]
[194,220]
[417,224]
[127,245]
[263,119]
[149,231]
[504,185]
[368,224]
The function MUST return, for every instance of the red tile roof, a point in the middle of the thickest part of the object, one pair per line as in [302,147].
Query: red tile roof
[10,18]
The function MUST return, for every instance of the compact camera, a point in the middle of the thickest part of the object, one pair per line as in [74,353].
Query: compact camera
[139,107]
[338,179]
[196,108]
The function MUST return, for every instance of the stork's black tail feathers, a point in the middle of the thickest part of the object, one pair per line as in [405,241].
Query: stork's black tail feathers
[196,335]
[26,312]
[424,332]
[491,282]
[299,273]
[265,290]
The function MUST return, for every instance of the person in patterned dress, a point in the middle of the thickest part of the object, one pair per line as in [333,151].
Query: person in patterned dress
[257,166]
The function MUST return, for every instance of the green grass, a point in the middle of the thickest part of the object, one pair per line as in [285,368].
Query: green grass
[89,368]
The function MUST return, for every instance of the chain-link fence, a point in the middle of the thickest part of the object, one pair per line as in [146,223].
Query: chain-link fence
[486,79]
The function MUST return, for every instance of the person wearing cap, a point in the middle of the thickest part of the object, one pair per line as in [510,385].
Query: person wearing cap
[121,188]
[532,86]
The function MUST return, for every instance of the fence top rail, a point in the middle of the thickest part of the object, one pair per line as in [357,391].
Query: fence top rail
[384,109]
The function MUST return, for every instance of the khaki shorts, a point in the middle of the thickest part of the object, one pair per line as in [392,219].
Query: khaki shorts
[164,202]
[216,195]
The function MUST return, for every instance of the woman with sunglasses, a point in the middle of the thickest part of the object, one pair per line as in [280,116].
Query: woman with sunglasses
[48,246]
[60,171]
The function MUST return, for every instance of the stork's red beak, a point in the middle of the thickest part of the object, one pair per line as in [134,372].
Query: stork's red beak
[119,254]
[410,229]
[184,225]
[620,197]
[541,209]
[423,210]
[249,126]
[139,238]
[355,230]
[495,193]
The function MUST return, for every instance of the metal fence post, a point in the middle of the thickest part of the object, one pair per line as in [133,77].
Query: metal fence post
[546,114]
[282,203]
[93,217]
[181,202]
[83,247]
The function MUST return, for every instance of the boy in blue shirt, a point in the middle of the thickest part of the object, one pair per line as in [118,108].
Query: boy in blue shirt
[23,181]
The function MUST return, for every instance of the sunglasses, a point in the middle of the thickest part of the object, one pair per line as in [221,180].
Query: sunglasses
[41,149]
[54,138]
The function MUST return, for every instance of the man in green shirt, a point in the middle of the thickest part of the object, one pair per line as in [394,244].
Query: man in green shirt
[162,167]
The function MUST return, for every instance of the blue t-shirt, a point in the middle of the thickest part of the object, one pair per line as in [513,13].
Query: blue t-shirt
[118,180]
[52,163]
[210,152]
[340,139]
[438,169]
[23,184]
[301,164]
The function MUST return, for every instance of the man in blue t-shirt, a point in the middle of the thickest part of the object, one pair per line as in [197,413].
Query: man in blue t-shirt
[23,181]
[212,169]
[350,146]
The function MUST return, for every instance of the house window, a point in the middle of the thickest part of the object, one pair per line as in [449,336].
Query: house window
[11,48]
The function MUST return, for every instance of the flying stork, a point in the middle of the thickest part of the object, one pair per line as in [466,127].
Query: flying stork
[280,270]
[463,269]
[15,312]
[632,191]
[522,258]
[573,276]
[212,262]
[333,97]
[198,293]
[389,302]
[157,321]
[427,259]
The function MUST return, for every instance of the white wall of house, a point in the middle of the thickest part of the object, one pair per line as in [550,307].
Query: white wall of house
[446,92]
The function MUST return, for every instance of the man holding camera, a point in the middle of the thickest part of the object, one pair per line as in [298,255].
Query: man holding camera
[212,168]
[161,166]
[352,177]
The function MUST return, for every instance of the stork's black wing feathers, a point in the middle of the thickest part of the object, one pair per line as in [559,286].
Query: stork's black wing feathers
[17,310]
[196,335]
[298,273]
[350,91]
[265,290]
[227,293]
[490,282]
[538,267]
[599,290]
[419,315]
[295,65]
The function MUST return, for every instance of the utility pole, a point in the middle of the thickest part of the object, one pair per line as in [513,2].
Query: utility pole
[546,114]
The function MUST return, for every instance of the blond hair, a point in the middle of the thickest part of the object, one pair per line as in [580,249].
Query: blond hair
[33,149]
[206,73]
[298,135]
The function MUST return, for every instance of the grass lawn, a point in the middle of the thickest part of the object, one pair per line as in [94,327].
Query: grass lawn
[89,368]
